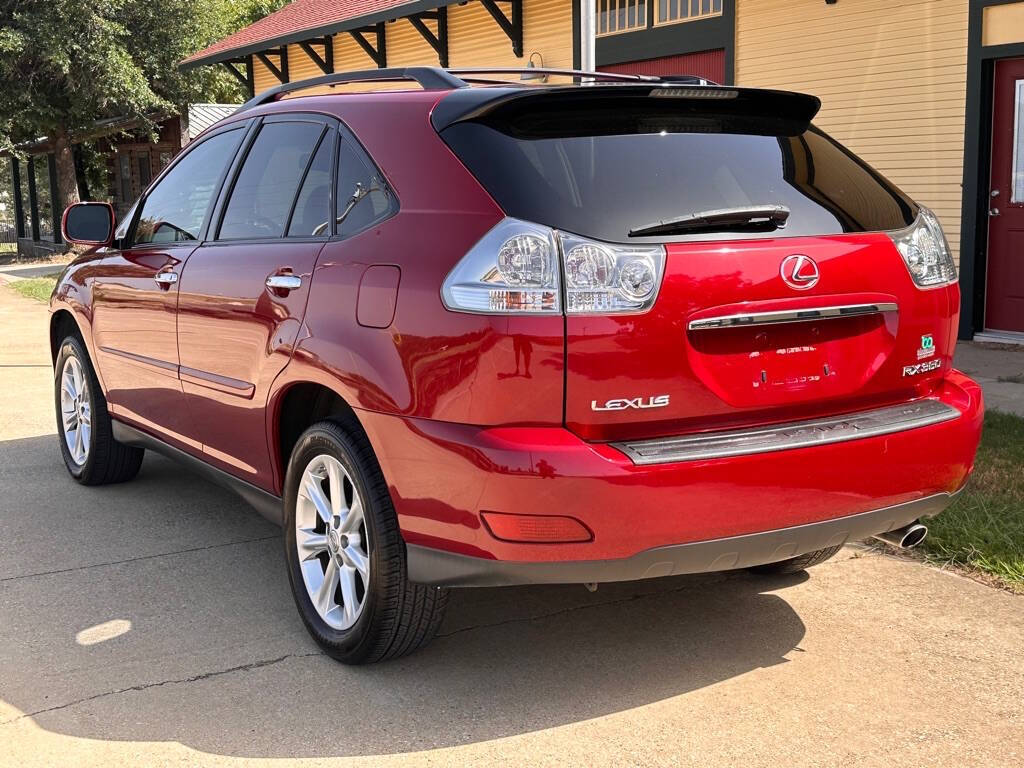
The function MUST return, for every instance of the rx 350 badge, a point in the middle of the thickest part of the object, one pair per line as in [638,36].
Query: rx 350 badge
[914,370]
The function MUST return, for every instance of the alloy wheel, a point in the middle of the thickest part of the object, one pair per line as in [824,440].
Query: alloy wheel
[75,410]
[332,542]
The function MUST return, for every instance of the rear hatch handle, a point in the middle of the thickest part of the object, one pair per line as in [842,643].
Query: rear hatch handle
[796,315]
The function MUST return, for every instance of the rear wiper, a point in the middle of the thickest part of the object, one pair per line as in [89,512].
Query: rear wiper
[759,218]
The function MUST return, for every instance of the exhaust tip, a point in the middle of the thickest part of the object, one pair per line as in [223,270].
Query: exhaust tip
[913,535]
[907,537]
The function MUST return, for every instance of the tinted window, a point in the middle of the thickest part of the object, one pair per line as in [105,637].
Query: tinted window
[312,215]
[601,175]
[262,196]
[176,207]
[363,197]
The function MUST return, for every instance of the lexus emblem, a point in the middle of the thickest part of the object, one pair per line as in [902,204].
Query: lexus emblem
[799,272]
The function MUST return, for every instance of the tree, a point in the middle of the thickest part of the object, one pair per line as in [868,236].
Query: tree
[64,64]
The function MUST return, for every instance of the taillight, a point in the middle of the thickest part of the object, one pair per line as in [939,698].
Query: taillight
[520,268]
[602,278]
[925,251]
[513,269]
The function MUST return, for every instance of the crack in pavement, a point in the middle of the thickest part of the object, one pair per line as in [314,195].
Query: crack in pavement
[269,662]
[136,559]
[184,680]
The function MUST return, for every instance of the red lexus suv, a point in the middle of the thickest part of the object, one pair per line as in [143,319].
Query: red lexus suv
[472,333]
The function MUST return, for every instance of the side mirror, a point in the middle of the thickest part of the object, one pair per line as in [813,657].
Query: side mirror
[88,224]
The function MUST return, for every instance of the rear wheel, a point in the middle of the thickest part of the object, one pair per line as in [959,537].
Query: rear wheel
[799,563]
[346,558]
[91,454]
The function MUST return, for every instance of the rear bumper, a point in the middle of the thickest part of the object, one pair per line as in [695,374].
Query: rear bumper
[433,566]
[654,519]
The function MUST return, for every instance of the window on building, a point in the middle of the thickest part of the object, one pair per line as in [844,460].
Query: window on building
[615,16]
[669,11]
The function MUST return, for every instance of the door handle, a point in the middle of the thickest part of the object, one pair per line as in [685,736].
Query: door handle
[166,279]
[284,282]
[993,212]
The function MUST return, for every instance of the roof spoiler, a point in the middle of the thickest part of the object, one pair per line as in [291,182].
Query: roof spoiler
[674,98]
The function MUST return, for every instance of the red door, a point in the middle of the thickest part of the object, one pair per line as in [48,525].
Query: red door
[707,64]
[242,294]
[1004,298]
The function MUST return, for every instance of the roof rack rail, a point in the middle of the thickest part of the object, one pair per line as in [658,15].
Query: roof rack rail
[437,79]
[578,74]
[429,78]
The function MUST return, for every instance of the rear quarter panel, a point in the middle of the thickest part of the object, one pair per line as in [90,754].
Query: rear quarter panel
[430,362]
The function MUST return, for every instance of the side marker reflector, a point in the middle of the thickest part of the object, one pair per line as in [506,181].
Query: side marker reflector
[535,529]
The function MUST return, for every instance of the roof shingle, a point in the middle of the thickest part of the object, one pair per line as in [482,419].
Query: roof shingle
[297,16]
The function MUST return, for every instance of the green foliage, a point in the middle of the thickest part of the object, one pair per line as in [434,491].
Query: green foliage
[6,194]
[65,64]
[984,529]
[38,288]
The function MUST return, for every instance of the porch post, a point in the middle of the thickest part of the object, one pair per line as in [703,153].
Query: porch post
[588,12]
[19,210]
[33,202]
[56,206]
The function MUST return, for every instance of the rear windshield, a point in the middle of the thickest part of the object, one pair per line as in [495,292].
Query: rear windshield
[603,175]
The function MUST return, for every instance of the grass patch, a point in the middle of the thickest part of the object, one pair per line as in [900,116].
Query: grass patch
[984,529]
[38,288]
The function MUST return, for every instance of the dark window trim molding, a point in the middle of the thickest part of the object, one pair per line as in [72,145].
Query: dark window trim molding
[674,40]
[977,157]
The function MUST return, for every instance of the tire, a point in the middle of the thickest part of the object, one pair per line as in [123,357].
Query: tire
[98,459]
[364,616]
[799,563]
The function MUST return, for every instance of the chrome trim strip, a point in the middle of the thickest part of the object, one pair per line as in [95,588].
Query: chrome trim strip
[783,437]
[150,362]
[217,382]
[791,315]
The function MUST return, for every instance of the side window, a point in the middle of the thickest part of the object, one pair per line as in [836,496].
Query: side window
[265,189]
[363,197]
[175,209]
[312,214]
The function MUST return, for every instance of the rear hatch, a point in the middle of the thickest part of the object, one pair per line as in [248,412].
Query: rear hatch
[761,316]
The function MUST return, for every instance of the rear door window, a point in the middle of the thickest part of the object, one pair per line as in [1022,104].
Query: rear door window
[312,214]
[602,173]
[261,198]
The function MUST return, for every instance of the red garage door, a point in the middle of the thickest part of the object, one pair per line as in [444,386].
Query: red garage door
[707,64]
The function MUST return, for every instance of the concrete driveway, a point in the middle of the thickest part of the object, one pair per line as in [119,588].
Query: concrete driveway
[151,624]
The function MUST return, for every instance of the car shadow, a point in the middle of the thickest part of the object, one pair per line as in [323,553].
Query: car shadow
[207,650]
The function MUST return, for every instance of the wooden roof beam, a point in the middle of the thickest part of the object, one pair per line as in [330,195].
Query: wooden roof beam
[379,52]
[513,27]
[438,41]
